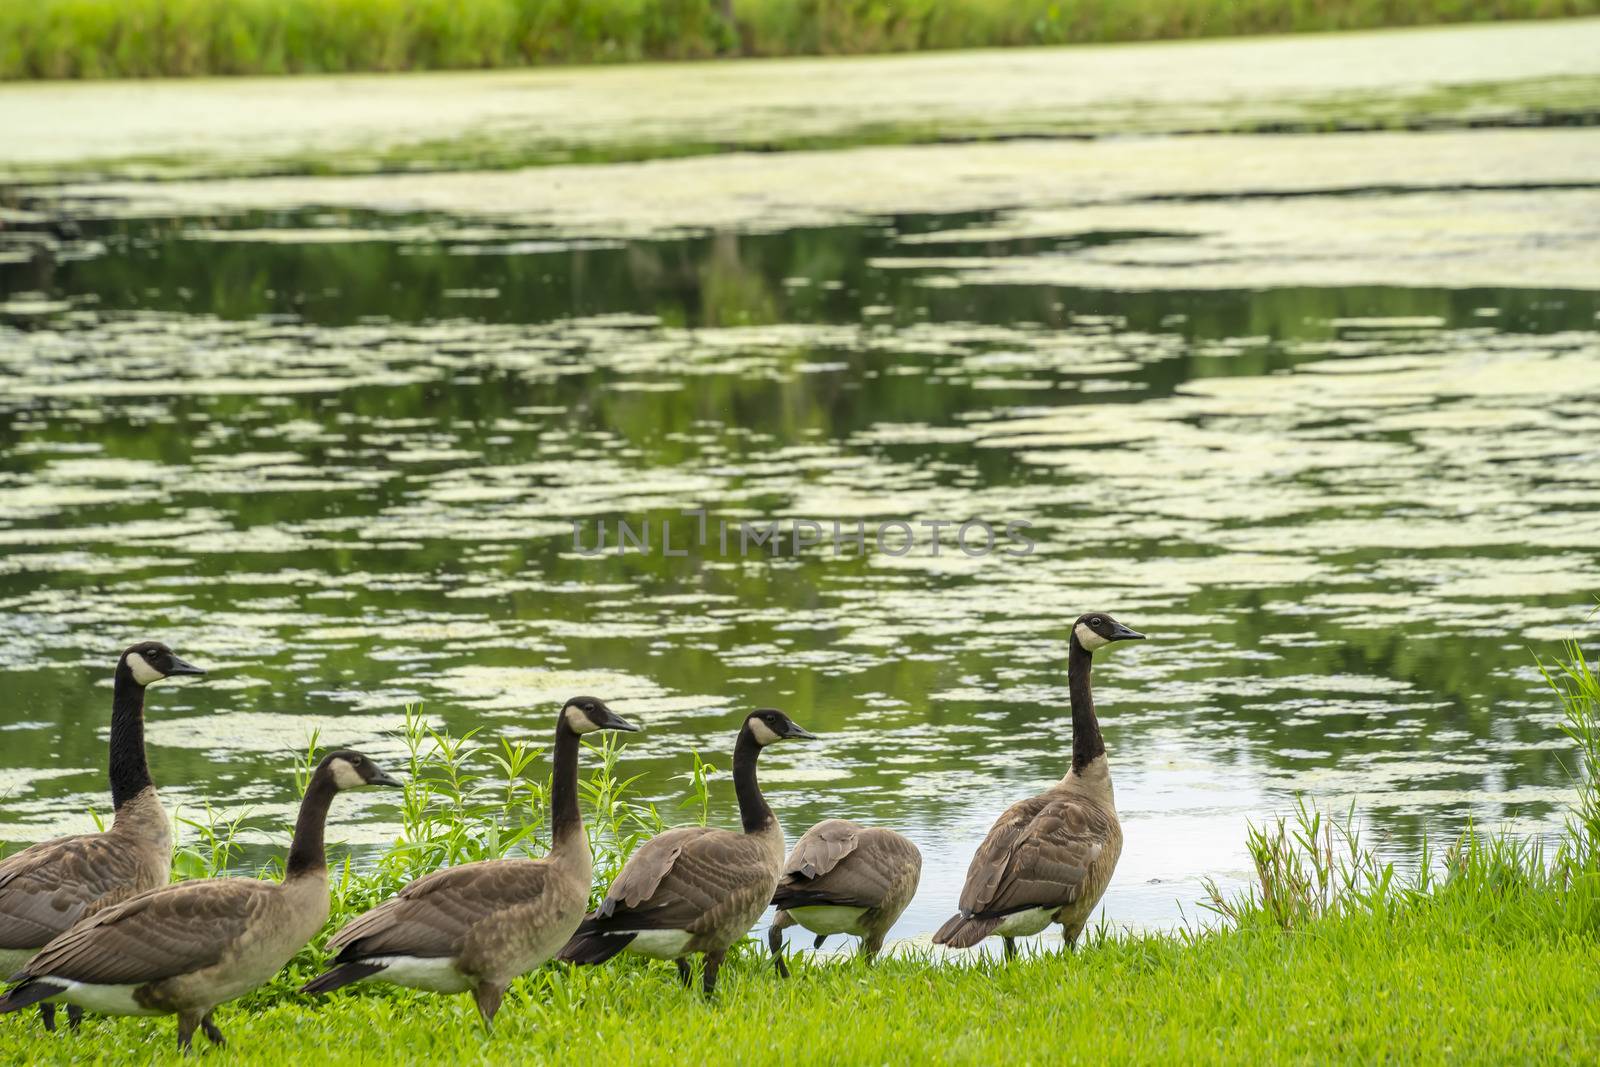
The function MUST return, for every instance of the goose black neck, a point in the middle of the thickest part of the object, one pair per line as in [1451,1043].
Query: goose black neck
[753,809]
[1087,744]
[130,774]
[306,852]
[565,819]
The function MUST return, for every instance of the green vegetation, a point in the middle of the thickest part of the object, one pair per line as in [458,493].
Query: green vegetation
[1488,955]
[1438,985]
[146,38]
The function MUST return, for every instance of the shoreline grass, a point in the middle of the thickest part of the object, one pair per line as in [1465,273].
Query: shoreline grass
[179,38]
[1473,978]
[1488,953]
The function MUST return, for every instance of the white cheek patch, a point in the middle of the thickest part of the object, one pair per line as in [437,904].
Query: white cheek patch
[345,776]
[143,673]
[763,733]
[577,721]
[1088,638]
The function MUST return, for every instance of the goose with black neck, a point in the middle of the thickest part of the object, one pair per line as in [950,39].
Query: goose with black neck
[1049,858]
[696,889]
[475,927]
[46,888]
[183,949]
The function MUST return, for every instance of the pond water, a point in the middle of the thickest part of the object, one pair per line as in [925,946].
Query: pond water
[336,457]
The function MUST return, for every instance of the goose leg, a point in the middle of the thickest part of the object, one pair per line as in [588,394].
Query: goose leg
[213,1034]
[775,942]
[871,945]
[685,975]
[1011,947]
[713,965]
[187,1021]
[488,996]
[1070,935]
[74,1016]
[47,1015]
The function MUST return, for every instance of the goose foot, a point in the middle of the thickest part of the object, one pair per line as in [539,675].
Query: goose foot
[213,1034]
[487,996]
[713,965]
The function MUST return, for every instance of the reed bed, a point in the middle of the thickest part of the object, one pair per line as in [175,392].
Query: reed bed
[175,38]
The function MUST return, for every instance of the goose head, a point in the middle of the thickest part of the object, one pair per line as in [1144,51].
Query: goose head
[767,725]
[1095,630]
[584,715]
[149,662]
[349,769]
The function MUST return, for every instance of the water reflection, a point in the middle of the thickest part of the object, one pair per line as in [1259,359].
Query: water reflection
[339,466]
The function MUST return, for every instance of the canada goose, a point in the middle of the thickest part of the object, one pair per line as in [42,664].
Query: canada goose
[844,878]
[46,888]
[478,926]
[696,888]
[1048,858]
[185,948]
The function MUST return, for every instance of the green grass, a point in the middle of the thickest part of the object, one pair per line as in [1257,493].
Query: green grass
[1487,953]
[147,38]
[1509,976]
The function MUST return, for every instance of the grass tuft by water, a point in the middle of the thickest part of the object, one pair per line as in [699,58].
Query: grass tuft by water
[150,38]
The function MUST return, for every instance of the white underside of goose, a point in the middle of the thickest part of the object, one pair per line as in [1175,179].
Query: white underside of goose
[660,944]
[105,999]
[1026,923]
[830,918]
[436,974]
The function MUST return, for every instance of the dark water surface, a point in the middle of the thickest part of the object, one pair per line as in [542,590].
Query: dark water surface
[336,457]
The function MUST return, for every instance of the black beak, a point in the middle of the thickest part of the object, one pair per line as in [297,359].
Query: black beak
[385,778]
[180,667]
[613,721]
[799,733]
[1122,633]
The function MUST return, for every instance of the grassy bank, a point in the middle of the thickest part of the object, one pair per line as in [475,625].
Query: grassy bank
[149,38]
[1432,986]
[1488,953]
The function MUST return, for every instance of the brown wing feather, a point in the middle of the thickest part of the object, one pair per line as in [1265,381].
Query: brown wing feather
[1039,854]
[699,879]
[159,934]
[821,848]
[642,875]
[868,872]
[434,915]
[46,888]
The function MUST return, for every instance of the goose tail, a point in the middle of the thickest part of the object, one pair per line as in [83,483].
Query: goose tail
[592,945]
[31,991]
[341,976]
[964,931]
